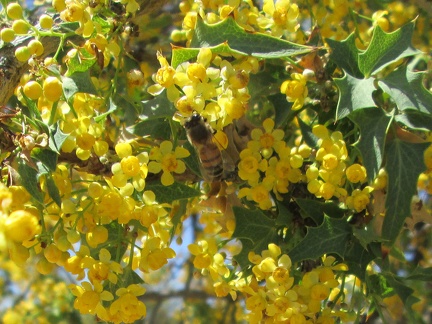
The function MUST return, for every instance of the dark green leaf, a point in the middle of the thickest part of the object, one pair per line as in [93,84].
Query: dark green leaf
[47,157]
[282,108]
[404,165]
[407,90]
[373,124]
[345,55]
[82,61]
[406,295]
[354,94]
[167,194]
[255,230]
[77,82]
[386,48]
[57,139]
[332,236]
[242,42]
[155,128]
[357,258]
[415,120]
[53,190]
[29,180]
[310,139]
[158,107]
[378,285]
[112,107]
[317,209]
[424,274]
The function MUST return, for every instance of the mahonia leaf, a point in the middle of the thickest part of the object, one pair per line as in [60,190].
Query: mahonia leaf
[52,189]
[386,48]
[254,227]
[345,55]
[155,128]
[415,120]
[228,37]
[405,293]
[404,165]
[354,94]
[317,209]
[29,177]
[306,131]
[373,124]
[332,236]
[47,157]
[80,62]
[357,258]
[244,42]
[407,90]
[167,194]
[57,138]
[77,82]
[419,273]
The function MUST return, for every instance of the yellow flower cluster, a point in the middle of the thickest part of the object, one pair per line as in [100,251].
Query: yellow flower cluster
[269,165]
[277,18]
[274,295]
[212,86]
[326,177]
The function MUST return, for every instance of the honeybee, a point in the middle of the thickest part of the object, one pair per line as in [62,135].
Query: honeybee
[200,135]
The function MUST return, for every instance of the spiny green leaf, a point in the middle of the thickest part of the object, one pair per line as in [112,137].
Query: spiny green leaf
[307,134]
[406,295]
[415,120]
[255,227]
[156,128]
[354,94]
[80,62]
[373,124]
[345,55]
[332,236]
[111,108]
[167,194]
[47,157]
[57,138]
[386,48]
[404,165]
[53,191]
[317,209]
[77,82]
[407,90]
[377,284]
[29,177]
[424,274]
[260,45]
[357,258]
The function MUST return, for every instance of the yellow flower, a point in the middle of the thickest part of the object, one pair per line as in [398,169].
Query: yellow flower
[164,79]
[165,159]
[129,168]
[250,166]
[104,268]
[89,298]
[127,308]
[295,90]
[280,17]
[259,193]
[359,199]
[356,173]
[153,255]
[265,142]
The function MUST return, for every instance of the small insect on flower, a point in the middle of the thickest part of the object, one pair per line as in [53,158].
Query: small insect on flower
[200,135]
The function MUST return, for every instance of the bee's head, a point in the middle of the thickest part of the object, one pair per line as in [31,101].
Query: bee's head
[194,120]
